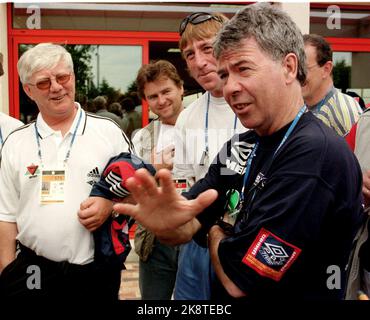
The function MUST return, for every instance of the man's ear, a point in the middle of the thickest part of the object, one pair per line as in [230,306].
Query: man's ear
[290,65]
[27,90]
[328,68]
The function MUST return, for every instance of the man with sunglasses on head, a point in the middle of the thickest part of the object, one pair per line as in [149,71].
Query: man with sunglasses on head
[7,124]
[337,110]
[47,170]
[203,127]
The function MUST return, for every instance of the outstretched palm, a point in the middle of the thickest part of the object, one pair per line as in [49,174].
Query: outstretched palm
[161,209]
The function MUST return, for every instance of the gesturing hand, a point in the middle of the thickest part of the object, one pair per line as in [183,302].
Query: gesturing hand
[161,209]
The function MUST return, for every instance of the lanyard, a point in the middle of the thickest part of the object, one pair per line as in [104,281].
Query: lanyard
[253,153]
[1,138]
[70,146]
[206,126]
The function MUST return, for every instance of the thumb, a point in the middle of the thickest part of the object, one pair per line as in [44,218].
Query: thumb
[204,200]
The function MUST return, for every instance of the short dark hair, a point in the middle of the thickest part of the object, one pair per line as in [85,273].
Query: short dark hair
[323,49]
[155,70]
[127,104]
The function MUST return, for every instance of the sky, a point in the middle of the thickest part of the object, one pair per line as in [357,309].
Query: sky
[118,65]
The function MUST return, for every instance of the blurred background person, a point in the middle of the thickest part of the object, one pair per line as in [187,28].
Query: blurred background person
[100,105]
[131,117]
[336,109]
[116,108]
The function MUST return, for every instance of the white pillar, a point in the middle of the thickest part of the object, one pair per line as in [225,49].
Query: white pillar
[299,12]
[4,80]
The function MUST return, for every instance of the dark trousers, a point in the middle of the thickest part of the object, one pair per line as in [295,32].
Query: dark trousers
[157,275]
[33,276]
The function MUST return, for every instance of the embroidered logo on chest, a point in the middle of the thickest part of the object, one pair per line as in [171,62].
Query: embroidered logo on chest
[240,152]
[93,176]
[32,171]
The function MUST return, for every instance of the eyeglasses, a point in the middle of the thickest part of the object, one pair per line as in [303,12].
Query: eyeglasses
[196,18]
[45,84]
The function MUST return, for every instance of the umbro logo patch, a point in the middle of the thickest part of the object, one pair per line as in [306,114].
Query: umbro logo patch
[240,151]
[93,176]
[270,256]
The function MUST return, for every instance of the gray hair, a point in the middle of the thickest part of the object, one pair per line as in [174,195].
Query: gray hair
[274,31]
[42,56]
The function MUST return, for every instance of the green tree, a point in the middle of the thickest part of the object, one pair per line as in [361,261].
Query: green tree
[81,56]
[111,93]
[342,75]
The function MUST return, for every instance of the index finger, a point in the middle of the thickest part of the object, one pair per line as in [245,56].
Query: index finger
[166,182]
[141,185]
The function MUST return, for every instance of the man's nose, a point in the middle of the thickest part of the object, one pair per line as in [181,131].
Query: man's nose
[231,86]
[161,99]
[200,60]
[54,85]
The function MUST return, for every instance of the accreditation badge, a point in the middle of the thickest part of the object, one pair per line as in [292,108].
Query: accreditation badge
[52,186]
[233,205]
[181,185]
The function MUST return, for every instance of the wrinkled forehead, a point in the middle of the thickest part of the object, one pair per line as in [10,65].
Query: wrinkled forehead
[245,47]
[198,44]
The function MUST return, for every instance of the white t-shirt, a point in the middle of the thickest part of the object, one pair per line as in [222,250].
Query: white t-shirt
[164,136]
[53,230]
[190,135]
[7,125]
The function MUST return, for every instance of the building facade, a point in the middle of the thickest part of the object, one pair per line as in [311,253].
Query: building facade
[110,41]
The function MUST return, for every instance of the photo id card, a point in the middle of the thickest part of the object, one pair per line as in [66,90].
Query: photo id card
[52,186]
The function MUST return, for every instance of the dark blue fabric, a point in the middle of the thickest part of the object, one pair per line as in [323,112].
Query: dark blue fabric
[311,199]
[115,229]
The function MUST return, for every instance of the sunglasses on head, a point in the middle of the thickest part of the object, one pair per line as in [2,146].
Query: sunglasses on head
[46,83]
[196,18]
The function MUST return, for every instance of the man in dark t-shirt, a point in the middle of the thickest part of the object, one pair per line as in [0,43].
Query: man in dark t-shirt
[291,185]
[287,238]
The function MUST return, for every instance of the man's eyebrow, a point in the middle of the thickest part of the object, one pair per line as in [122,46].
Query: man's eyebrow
[187,51]
[242,61]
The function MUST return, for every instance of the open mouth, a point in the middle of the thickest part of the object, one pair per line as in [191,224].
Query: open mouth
[240,106]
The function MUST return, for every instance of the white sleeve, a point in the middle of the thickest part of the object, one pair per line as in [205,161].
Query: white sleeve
[137,142]
[182,167]
[9,192]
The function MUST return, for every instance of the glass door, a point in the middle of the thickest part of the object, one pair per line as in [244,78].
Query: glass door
[101,70]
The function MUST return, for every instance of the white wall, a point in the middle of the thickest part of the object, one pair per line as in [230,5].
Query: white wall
[299,12]
[4,93]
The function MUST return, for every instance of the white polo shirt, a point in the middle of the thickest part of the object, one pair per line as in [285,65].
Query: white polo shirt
[7,125]
[190,134]
[53,230]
